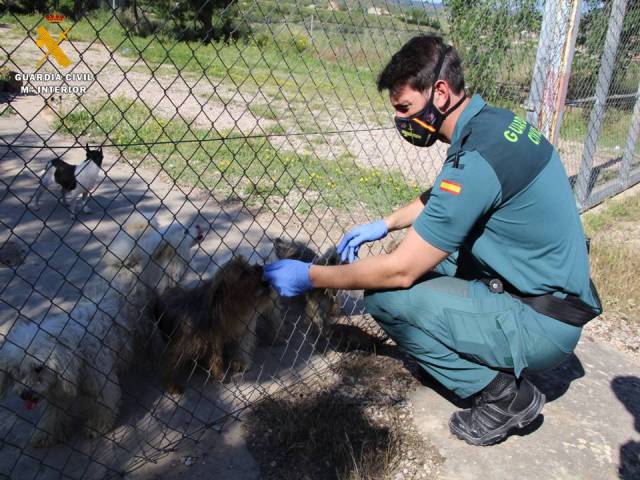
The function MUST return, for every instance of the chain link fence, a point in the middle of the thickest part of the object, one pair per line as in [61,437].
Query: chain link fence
[601,101]
[224,128]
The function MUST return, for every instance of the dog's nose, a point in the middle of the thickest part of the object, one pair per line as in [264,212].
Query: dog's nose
[27,394]
[200,234]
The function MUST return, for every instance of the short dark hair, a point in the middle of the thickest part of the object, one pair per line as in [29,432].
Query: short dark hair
[414,65]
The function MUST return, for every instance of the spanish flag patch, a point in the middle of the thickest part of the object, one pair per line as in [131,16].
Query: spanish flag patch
[451,187]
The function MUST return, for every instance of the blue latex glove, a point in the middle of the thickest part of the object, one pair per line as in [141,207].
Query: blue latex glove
[288,277]
[350,243]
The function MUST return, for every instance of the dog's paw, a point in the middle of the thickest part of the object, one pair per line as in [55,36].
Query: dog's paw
[94,430]
[216,368]
[99,424]
[173,388]
[42,439]
[90,432]
[237,365]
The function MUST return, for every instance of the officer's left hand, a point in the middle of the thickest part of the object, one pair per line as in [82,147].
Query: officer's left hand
[288,277]
[350,243]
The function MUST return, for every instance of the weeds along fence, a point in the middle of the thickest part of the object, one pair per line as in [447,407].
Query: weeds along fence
[240,122]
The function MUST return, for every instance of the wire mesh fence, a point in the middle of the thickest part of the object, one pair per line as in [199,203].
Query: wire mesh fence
[602,95]
[207,137]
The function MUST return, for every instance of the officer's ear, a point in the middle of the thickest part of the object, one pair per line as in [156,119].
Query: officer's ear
[442,95]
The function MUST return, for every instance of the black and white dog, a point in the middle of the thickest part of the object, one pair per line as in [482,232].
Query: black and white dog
[76,181]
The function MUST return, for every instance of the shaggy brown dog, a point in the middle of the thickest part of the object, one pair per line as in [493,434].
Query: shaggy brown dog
[214,323]
[321,304]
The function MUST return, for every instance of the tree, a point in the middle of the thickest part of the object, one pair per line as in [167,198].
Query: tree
[483,32]
[203,20]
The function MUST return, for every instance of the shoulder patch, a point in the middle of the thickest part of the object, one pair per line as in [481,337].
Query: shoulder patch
[451,187]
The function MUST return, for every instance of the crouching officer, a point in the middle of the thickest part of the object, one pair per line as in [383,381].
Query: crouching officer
[492,277]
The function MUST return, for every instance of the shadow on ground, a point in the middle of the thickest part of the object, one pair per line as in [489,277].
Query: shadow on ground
[354,423]
[627,390]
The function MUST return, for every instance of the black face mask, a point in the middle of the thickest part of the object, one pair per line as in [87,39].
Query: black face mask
[421,129]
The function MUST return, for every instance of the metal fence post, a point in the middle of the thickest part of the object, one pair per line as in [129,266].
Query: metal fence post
[605,73]
[553,66]
[632,139]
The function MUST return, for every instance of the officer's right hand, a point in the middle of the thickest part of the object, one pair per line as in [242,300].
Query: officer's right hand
[288,277]
[350,243]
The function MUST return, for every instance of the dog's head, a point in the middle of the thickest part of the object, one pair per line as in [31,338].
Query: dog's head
[293,250]
[94,156]
[125,249]
[176,240]
[38,363]
[157,256]
[239,271]
[171,249]
[240,283]
[298,251]
[322,304]
[5,357]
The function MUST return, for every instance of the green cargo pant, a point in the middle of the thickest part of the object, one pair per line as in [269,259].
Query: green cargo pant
[462,334]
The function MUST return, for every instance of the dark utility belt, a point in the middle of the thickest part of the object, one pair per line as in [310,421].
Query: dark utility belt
[569,310]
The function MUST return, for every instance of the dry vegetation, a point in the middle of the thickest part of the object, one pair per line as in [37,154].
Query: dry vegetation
[355,425]
[614,229]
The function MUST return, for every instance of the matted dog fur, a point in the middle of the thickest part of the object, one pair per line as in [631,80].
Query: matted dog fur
[214,323]
[322,305]
[75,359]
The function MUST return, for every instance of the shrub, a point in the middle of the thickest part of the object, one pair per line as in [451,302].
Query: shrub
[299,42]
[143,26]
[262,39]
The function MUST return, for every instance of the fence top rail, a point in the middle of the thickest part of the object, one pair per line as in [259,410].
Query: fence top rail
[581,101]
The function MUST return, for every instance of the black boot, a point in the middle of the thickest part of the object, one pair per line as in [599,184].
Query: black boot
[501,406]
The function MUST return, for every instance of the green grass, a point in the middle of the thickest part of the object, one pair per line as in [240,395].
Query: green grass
[250,168]
[614,211]
[338,68]
[263,111]
[7,110]
[613,130]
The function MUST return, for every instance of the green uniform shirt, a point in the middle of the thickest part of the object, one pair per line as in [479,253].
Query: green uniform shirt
[504,199]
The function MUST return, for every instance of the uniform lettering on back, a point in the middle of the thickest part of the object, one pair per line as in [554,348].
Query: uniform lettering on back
[517,127]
